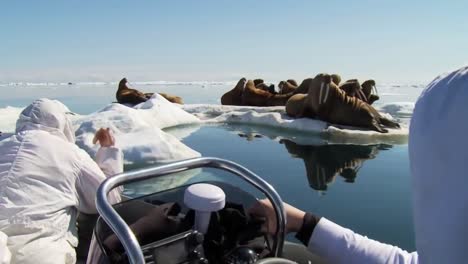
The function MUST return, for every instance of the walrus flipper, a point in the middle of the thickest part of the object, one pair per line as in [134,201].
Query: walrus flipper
[377,127]
[389,123]
[373,98]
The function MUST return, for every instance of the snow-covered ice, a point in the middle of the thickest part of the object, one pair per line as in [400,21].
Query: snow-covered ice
[138,131]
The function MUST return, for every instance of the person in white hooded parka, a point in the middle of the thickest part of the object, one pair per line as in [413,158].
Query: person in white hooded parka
[438,152]
[45,179]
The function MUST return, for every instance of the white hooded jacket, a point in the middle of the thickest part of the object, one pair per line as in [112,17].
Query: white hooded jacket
[44,179]
[438,151]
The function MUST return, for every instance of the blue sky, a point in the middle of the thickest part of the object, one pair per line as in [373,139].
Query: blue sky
[224,40]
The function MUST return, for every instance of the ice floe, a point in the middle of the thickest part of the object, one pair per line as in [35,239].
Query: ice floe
[399,109]
[275,117]
[8,117]
[138,131]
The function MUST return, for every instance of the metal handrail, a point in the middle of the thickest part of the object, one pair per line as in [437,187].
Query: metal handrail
[125,234]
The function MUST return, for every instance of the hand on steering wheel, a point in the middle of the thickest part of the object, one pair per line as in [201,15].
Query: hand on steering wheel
[264,208]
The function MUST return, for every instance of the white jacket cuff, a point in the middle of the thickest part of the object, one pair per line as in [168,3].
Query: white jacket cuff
[337,244]
[5,255]
[110,160]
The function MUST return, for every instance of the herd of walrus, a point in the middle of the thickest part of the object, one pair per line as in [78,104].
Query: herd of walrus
[323,97]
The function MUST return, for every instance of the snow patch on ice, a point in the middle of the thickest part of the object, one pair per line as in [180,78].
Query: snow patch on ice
[398,109]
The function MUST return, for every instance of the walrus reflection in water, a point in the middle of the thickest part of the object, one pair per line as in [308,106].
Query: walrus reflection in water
[126,95]
[327,102]
[324,163]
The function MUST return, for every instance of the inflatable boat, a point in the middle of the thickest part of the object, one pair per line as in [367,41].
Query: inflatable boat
[203,222]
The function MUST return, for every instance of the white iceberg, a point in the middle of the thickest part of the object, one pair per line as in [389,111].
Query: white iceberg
[8,117]
[138,131]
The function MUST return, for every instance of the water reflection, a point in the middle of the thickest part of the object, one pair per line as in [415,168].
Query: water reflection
[323,163]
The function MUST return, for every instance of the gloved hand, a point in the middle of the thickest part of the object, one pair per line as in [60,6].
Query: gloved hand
[104,137]
[264,208]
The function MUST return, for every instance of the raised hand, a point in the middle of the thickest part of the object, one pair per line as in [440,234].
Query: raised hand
[104,137]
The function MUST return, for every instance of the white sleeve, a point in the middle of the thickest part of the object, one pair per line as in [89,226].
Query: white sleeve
[5,255]
[109,161]
[337,244]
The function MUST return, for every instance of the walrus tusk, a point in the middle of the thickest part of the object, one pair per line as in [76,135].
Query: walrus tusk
[375,88]
[326,93]
[320,93]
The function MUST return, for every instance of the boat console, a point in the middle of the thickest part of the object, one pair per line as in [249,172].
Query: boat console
[196,223]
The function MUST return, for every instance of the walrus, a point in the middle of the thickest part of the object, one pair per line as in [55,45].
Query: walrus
[253,96]
[234,96]
[260,84]
[329,103]
[258,81]
[172,98]
[303,88]
[288,86]
[363,92]
[265,87]
[292,81]
[367,88]
[336,78]
[353,88]
[126,95]
[296,105]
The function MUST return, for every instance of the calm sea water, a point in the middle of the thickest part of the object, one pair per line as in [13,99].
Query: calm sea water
[365,188]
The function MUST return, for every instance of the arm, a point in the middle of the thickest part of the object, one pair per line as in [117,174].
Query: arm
[109,161]
[330,241]
[341,245]
[5,254]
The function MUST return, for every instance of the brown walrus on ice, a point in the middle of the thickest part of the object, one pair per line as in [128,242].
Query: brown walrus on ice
[303,88]
[126,95]
[288,86]
[363,92]
[234,96]
[248,94]
[296,105]
[260,84]
[252,96]
[367,88]
[326,101]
